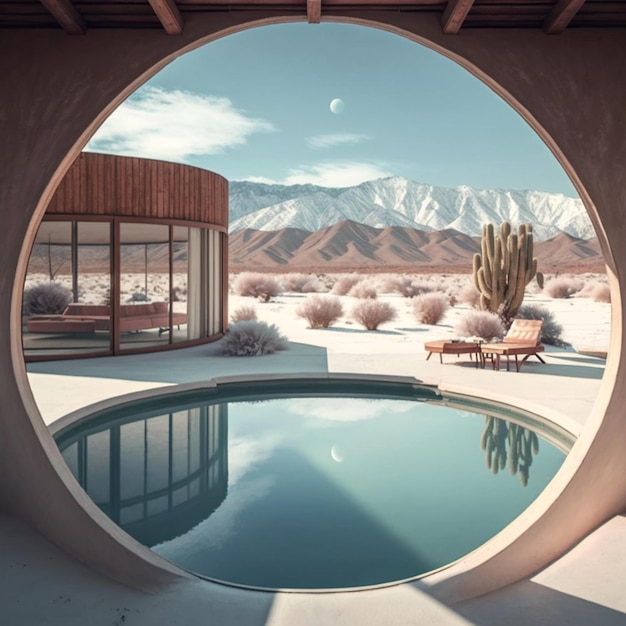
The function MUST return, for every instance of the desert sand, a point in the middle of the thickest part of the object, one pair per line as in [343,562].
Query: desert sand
[568,384]
[585,323]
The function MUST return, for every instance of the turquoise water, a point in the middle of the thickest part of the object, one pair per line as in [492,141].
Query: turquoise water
[310,492]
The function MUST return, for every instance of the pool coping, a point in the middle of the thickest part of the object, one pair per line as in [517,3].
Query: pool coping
[542,412]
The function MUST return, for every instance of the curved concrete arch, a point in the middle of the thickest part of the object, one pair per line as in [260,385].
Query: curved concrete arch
[568,88]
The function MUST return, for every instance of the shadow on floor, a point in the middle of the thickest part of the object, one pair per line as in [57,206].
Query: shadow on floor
[188,364]
[535,367]
[529,603]
[579,358]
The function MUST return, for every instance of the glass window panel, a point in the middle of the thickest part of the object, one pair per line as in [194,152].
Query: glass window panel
[194,488]
[180,269]
[158,505]
[48,291]
[158,445]
[132,459]
[214,282]
[196,284]
[180,495]
[70,454]
[144,285]
[51,259]
[70,262]
[180,445]
[92,284]
[98,466]
[195,441]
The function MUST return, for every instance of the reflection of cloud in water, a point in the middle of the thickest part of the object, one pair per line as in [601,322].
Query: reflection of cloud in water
[347,409]
[215,530]
[244,452]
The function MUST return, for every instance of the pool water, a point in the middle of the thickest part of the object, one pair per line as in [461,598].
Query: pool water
[308,491]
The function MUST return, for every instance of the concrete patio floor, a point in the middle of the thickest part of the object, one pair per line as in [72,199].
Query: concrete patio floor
[44,586]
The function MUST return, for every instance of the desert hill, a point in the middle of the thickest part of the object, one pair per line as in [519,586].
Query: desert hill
[348,245]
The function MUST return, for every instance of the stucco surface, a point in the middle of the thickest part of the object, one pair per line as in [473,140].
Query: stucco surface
[57,89]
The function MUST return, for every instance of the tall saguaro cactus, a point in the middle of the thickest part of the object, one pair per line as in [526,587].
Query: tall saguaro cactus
[503,268]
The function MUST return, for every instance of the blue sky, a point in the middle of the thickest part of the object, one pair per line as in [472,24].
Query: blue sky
[255,106]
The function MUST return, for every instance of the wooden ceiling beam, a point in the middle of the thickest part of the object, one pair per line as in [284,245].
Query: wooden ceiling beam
[561,15]
[169,16]
[314,11]
[65,13]
[454,15]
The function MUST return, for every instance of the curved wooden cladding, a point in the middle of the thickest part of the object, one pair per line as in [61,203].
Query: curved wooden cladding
[110,185]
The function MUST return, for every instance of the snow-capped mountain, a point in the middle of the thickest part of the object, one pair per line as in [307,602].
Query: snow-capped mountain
[397,201]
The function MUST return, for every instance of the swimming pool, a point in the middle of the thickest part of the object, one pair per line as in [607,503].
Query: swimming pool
[312,484]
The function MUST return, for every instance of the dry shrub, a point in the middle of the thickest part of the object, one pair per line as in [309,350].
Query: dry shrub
[471,296]
[344,283]
[256,285]
[406,286]
[550,329]
[454,281]
[364,289]
[482,324]
[320,311]
[301,283]
[372,313]
[243,314]
[314,285]
[393,284]
[563,287]
[597,291]
[252,338]
[326,281]
[418,288]
[429,308]
[45,299]
[601,293]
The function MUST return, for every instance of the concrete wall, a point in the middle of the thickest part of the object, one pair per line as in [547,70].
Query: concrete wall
[57,89]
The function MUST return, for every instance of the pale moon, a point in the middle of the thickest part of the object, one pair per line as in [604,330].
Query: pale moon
[337,106]
[337,454]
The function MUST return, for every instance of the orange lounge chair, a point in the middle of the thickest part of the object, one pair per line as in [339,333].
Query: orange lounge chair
[521,340]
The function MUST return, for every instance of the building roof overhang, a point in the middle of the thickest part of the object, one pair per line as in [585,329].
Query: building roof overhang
[76,17]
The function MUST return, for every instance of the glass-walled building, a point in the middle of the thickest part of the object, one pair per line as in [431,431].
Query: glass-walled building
[131,256]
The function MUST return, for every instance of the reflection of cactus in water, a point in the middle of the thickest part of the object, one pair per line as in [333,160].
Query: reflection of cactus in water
[501,440]
[493,442]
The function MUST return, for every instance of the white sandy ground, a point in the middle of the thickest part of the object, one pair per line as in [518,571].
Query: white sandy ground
[583,587]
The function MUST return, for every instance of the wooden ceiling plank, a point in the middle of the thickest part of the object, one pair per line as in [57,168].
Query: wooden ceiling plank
[314,11]
[454,15]
[65,13]
[169,16]
[561,15]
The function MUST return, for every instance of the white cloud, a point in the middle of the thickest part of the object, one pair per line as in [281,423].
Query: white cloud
[175,125]
[330,174]
[262,179]
[332,140]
